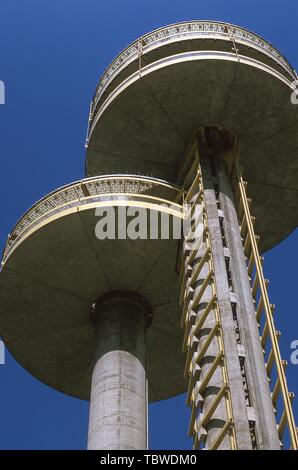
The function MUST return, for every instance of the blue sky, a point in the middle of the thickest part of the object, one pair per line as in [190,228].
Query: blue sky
[51,55]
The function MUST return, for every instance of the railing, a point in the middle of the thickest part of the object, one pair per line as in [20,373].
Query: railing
[100,188]
[182,31]
[269,336]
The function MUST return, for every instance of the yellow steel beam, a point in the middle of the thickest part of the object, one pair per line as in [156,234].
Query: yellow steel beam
[204,383]
[198,268]
[193,187]
[283,420]
[198,296]
[198,325]
[221,435]
[207,343]
[263,290]
[212,408]
[270,361]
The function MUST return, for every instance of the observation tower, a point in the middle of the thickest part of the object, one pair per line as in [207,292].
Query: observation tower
[192,123]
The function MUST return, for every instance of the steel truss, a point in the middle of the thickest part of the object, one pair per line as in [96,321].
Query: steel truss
[201,320]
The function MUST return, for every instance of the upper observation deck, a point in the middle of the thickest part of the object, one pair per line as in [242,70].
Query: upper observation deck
[161,89]
[173,35]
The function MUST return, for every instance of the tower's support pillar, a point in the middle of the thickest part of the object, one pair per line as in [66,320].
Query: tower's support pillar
[228,385]
[250,393]
[118,405]
[258,398]
[227,317]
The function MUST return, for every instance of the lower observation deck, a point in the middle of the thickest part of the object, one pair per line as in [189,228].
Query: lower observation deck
[58,267]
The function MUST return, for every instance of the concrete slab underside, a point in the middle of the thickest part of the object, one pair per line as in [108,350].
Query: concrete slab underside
[48,285]
[147,128]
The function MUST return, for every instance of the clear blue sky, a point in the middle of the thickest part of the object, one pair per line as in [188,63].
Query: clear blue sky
[51,55]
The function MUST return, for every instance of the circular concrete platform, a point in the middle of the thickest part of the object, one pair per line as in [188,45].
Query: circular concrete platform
[54,268]
[167,85]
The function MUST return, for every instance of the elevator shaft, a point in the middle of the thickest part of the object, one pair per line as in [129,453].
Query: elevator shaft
[232,406]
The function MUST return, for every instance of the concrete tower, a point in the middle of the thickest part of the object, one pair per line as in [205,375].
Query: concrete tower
[198,106]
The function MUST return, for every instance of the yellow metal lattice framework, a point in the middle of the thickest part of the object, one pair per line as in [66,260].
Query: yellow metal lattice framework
[193,191]
[264,311]
[189,273]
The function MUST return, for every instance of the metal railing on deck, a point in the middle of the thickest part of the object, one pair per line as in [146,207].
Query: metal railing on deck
[148,191]
[183,31]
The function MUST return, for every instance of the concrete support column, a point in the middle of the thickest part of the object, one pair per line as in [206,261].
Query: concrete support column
[253,360]
[118,405]
[240,417]
[216,382]
[253,411]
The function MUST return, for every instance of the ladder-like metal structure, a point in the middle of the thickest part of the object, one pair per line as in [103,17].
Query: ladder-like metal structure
[198,298]
[275,366]
[193,322]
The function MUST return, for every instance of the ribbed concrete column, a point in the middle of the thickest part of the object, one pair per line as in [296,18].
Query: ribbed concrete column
[251,401]
[241,421]
[257,380]
[216,382]
[118,405]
